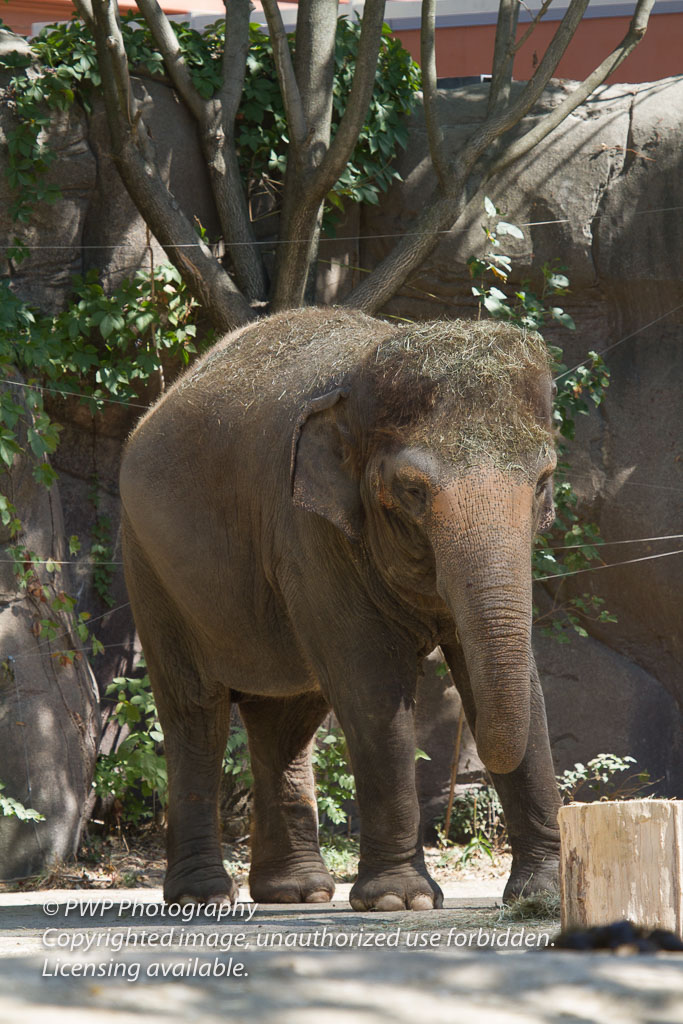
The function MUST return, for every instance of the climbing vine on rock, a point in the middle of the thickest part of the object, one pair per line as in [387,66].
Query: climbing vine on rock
[101,348]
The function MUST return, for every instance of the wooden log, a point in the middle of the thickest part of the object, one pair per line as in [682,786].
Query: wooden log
[622,859]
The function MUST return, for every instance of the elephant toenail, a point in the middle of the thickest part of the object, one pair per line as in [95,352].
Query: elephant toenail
[389,902]
[319,896]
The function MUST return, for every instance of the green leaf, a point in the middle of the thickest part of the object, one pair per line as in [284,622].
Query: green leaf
[45,474]
[503,228]
[497,308]
[563,318]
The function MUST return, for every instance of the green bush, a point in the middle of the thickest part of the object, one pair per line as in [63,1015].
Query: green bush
[334,780]
[134,773]
[603,777]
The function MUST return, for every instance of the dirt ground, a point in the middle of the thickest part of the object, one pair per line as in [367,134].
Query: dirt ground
[136,858]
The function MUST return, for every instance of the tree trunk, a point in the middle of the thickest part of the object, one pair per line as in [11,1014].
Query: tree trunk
[622,860]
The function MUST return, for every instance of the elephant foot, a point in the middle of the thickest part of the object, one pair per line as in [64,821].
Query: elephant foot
[291,881]
[397,887]
[200,886]
[531,878]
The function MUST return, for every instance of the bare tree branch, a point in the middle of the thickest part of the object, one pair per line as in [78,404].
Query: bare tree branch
[450,202]
[497,124]
[556,50]
[235,54]
[132,153]
[353,118]
[316,32]
[429,90]
[534,22]
[167,41]
[84,9]
[439,213]
[316,29]
[579,95]
[289,88]
[503,55]
[216,133]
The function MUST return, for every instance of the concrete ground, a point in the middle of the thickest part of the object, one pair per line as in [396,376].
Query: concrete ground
[114,955]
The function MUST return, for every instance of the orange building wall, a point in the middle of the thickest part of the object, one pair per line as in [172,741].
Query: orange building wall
[469,50]
[21,15]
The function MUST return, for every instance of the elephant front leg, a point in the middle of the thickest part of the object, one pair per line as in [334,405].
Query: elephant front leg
[194,711]
[531,800]
[529,795]
[195,745]
[195,749]
[286,866]
[378,724]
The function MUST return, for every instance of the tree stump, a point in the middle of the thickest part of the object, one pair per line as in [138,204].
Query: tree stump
[622,860]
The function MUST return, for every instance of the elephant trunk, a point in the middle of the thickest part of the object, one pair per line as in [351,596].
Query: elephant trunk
[484,576]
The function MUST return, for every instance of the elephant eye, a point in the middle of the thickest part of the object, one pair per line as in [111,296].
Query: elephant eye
[411,494]
[543,484]
[544,495]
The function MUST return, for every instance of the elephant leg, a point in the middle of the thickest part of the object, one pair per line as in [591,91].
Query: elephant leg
[286,866]
[377,717]
[529,795]
[195,737]
[195,716]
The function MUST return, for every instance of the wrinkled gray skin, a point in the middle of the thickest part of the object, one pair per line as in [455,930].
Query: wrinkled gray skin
[302,526]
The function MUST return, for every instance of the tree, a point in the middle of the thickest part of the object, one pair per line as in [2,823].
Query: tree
[317,156]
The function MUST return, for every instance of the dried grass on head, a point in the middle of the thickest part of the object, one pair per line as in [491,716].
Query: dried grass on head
[468,385]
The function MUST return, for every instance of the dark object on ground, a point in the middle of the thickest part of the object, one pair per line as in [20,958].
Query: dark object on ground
[621,936]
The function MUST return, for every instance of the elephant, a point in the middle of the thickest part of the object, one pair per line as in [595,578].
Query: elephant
[315,505]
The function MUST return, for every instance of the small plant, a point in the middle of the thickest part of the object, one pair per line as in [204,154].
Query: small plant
[335,782]
[477,844]
[341,855]
[101,551]
[603,777]
[476,821]
[524,307]
[11,808]
[236,761]
[134,773]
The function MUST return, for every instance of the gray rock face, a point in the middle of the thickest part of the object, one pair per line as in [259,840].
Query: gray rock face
[598,701]
[54,235]
[49,710]
[117,240]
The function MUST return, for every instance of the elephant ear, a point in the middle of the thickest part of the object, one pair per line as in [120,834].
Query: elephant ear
[321,483]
